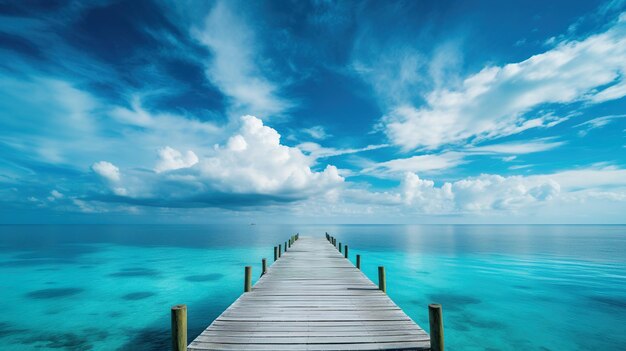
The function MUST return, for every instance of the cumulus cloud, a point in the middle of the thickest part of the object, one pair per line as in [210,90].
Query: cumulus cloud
[254,161]
[499,100]
[107,170]
[250,168]
[476,194]
[170,159]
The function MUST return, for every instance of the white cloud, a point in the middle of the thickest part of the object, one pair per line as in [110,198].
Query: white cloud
[107,170]
[497,100]
[518,148]
[420,163]
[484,193]
[234,67]
[588,178]
[595,123]
[251,163]
[317,151]
[170,159]
[316,132]
[254,161]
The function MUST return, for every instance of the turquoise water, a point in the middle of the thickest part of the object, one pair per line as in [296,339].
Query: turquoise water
[502,287]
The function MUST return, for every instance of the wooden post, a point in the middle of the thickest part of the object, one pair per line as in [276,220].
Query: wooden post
[179,328]
[436,327]
[263,266]
[280,249]
[247,284]
[382,281]
[345,251]
[285,246]
[289,243]
[358,261]
[339,246]
[275,253]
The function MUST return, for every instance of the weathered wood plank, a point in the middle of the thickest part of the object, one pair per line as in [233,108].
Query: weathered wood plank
[312,298]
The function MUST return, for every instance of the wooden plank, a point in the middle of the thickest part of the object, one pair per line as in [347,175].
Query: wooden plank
[312,298]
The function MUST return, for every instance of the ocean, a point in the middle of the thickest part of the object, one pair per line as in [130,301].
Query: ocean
[502,287]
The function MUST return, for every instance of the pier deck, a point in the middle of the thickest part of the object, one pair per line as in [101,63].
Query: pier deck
[312,298]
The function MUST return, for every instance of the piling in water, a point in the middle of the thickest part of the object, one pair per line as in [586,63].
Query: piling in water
[247,282]
[179,328]
[436,327]
[358,261]
[263,266]
[382,279]
[275,253]
[345,251]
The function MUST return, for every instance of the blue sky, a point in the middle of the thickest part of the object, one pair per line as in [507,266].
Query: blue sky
[313,111]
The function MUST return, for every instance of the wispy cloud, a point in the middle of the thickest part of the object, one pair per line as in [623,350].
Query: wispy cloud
[420,164]
[517,148]
[316,132]
[596,123]
[502,100]
[317,151]
[236,64]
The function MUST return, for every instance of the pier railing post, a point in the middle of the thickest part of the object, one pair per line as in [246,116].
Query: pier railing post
[275,253]
[382,279]
[263,266]
[358,261]
[285,246]
[179,328]
[247,284]
[339,246]
[345,251]
[436,327]
[280,250]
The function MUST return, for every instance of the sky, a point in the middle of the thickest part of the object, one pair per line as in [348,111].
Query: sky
[313,111]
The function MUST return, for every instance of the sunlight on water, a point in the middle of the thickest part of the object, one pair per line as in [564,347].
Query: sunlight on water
[502,287]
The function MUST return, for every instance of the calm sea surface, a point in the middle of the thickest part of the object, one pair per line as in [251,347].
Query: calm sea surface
[502,287]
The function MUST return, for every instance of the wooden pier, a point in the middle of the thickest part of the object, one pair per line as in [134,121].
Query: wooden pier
[311,298]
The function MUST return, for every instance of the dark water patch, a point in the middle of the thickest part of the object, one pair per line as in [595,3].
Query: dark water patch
[204,277]
[612,302]
[136,272]
[149,339]
[96,334]
[454,302]
[7,329]
[115,314]
[62,341]
[140,295]
[53,293]
[85,266]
